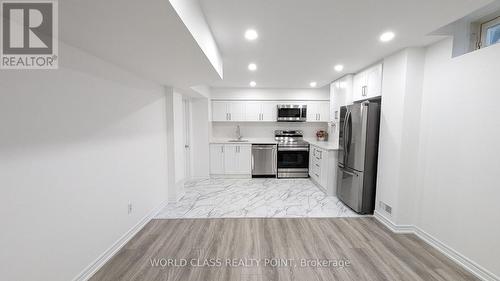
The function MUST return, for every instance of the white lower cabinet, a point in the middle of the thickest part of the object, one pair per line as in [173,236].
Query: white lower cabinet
[230,159]
[323,168]
[216,159]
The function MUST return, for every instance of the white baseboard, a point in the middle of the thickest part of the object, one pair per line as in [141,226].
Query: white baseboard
[451,253]
[217,176]
[392,226]
[91,269]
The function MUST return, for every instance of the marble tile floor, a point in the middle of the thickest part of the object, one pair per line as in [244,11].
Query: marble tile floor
[254,198]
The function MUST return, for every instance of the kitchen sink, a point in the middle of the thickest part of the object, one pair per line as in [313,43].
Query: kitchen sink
[242,140]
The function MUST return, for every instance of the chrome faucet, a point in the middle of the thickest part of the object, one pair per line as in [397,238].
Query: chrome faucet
[238,132]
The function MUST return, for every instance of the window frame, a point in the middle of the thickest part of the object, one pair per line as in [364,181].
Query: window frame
[484,30]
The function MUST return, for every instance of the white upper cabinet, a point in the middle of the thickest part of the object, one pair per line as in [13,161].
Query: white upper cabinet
[374,81]
[260,111]
[219,111]
[359,83]
[368,83]
[253,111]
[269,111]
[228,111]
[340,95]
[236,111]
[318,111]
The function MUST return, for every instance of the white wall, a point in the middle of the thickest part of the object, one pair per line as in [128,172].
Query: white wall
[76,145]
[399,133]
[439,155]
[270,94]
[460,133]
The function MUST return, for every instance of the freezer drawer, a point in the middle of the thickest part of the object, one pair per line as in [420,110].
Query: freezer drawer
[350,187]
[356,189]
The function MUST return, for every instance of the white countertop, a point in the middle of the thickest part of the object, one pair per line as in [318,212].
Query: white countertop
[250,141]
[322,144]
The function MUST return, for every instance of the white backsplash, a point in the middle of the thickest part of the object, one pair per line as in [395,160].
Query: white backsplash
[263,129]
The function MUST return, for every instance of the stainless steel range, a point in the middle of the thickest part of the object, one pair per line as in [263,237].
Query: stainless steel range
[293,154]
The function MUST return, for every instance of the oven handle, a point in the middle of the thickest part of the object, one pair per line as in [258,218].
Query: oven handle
[291,148]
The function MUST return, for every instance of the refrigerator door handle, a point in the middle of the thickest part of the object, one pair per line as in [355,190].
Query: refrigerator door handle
[349,140]
[345,137]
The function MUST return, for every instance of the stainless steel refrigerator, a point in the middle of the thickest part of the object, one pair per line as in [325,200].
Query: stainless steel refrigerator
[357,167]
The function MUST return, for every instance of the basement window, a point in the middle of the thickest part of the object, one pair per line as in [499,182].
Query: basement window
[489,33]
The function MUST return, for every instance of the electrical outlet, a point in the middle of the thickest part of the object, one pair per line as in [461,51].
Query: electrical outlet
[129,208]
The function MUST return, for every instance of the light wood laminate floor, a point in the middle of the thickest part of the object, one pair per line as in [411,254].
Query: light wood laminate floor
[366,249]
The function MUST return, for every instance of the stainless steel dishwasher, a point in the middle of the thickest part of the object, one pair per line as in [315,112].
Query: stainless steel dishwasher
[264,160]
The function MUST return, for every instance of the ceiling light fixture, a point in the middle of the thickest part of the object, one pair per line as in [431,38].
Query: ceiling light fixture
[338,67]
[313,84]
[252,67]
[387,36]
[253,84]
[251,34]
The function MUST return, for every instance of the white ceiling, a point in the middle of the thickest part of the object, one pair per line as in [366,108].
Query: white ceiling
[147,38]
[301,40]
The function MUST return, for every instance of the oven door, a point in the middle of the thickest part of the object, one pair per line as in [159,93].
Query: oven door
[293,162]
[291,113]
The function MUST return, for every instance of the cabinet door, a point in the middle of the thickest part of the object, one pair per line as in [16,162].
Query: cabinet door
[237,159]
[374,81]
[253,111]
[314,165]
[219,111]
[230,159]
[324,111]
[359,86]
[334,99]
[269,111]
[345,90]
[323,181]
[312,112]
[216,159]
[236,111]
[244,156]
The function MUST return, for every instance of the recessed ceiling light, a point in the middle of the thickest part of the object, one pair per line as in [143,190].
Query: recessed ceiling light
[338,67]
[253,84]
[313,84]
[251,34]
[387,36]
[252,67]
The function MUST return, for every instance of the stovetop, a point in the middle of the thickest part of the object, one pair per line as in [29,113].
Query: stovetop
[290,138]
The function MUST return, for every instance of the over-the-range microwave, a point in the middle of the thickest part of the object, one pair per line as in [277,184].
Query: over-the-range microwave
[292,113]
